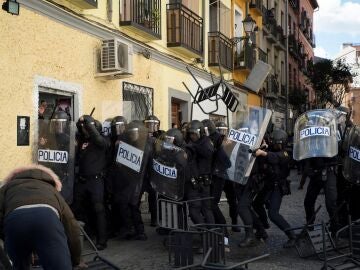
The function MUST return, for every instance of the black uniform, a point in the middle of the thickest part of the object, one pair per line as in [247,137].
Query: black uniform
[276,186]
[221,162]
[199,187]
[322,176]
[91,159]
[127,186]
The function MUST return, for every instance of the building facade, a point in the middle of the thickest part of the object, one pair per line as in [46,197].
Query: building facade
[288,41]
[123,57]
[350,54]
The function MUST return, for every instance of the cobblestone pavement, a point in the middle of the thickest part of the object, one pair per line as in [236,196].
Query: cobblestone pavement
[151,254]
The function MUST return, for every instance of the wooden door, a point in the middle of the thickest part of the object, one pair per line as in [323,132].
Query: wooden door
[175,113]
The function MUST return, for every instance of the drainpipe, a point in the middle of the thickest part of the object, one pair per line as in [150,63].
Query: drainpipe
[287,65]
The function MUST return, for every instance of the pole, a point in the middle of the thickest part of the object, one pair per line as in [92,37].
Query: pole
[287,65]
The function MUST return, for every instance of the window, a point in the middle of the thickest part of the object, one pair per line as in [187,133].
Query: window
[137,100]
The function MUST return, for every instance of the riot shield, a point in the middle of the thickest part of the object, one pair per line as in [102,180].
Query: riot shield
[315,135]
[106,128]
[168,169]
[56,150]
[340,122]
[132,152]
[244,136]
[351,163]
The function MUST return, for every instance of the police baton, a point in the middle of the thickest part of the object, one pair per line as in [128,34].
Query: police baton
[92,111]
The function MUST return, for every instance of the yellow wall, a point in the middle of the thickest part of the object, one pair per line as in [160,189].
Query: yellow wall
[33,45]
[253,99]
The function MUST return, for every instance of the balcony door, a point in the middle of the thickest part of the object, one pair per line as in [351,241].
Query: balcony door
[238,27]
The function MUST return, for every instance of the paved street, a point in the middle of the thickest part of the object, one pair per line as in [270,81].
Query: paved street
[151,254]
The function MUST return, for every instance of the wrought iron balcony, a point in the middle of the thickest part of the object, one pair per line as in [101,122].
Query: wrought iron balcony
[85,4]
[220,47]
[262,55]
[256,5]
[280,38]
[142,15]
[295,5]
[312,39]
[184,29]
[294,48]
[245,55]
[269,23]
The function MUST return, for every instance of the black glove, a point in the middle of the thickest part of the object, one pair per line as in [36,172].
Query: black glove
[195,183]
[88,120]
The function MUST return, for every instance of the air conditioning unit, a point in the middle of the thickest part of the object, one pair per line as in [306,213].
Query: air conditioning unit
[116,57]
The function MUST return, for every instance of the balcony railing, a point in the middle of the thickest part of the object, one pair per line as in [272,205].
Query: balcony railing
[220,48]
[312,39]
[294,48]
[295,5]
[256,4]
[262,55]
[184,28]
[245,55]
[280,37]
[273,84]
[269,23]
[143,15]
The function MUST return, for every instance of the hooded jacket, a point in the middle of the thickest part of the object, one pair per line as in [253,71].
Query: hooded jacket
[36,184]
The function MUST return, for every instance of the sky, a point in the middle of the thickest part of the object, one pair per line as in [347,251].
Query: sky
[336,22]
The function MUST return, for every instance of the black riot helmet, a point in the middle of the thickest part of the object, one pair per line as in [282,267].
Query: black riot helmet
[278,139]
[152,123]
[118,124]
[222,128]
[133,130]
[174,136]
[98,125]
[195,130]
[80,124]
[59,122]
[209,126]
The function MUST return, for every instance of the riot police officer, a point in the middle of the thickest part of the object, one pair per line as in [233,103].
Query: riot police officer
[59,139]
[228,188]
[152,123]
[91,159]
[199,187]
[276,183]
[219,165]
[132,156]
[114,131]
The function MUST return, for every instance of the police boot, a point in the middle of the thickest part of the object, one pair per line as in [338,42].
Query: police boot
[249,240]
[261,234]
[291,241]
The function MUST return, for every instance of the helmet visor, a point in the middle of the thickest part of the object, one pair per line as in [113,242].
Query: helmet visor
[119,128]
[133,134]
[169,139]
[152,125]
[58,126]
[223,131]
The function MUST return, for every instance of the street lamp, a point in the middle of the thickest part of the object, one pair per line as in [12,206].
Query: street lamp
[249,25]
[11,6]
